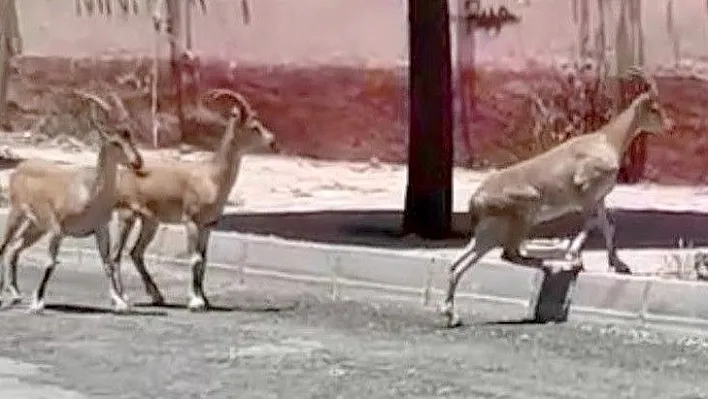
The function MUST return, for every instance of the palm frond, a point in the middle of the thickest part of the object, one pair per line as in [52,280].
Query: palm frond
[123,8]
[109,8]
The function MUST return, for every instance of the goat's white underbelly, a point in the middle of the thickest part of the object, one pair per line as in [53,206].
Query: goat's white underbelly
[79,231]
[85,223]
[558,207]
[548,212]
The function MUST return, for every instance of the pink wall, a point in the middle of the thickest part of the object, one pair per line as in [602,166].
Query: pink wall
[333,31]
[281,31]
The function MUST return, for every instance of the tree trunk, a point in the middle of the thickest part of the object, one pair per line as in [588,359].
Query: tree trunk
[10,45]
[428,208]
[174,34]
[5,56]
[464,79]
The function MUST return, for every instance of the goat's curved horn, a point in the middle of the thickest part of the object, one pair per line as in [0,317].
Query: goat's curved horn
[92,97]
[641,74]
[119,104]
[243,105]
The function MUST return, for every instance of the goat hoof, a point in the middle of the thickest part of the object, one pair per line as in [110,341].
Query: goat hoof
[158,300]
[524,260]
[619,266]
[576,264]
[15,295]
[530,261]
[197,304]
[623,270]
[125,298]
[121,307]
[445,308]
[453,320]
[36,308]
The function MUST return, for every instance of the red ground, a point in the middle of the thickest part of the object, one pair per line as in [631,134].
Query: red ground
[353,114]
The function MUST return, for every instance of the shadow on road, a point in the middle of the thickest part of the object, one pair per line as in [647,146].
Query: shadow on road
[220,308]
[520,322]
[472,324]
[82,309]
[9,163]
[635,229]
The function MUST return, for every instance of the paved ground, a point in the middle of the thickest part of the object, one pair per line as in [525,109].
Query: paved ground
[272,340]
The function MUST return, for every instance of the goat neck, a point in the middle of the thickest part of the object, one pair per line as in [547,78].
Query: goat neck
[227,158]
[104,182]
[622,129]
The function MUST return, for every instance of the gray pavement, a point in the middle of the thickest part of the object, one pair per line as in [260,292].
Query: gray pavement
[287,340]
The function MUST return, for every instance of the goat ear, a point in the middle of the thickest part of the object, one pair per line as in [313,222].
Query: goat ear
[238,115]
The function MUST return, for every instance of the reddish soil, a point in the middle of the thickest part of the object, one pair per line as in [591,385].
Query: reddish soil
[353,114]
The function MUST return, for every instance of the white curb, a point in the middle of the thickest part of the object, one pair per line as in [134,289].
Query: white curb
[410,273]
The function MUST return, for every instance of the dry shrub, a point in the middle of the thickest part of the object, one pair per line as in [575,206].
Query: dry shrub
[579,102]
[354,114]
[547,110]
[320,111]
[42,100]
[69,118]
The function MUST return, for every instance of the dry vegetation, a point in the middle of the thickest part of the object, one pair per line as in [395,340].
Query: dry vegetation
[570,101]
[567,100]
[356,114]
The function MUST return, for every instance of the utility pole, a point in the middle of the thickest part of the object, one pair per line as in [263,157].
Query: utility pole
[428,205]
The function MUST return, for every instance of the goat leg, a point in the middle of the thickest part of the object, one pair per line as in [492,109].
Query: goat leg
[486,237]
[25,236]
[111,269]
[517,231]
[514,256]
[17,225]
[198,238]
[148,230]
[601,219]
[37,305]
[608,230]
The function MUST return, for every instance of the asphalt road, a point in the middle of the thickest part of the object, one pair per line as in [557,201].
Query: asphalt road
[286,340]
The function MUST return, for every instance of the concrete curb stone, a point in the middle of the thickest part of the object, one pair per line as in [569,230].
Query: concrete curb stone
[545,296]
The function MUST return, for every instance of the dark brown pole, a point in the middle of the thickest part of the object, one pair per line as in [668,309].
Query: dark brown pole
[428,207]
